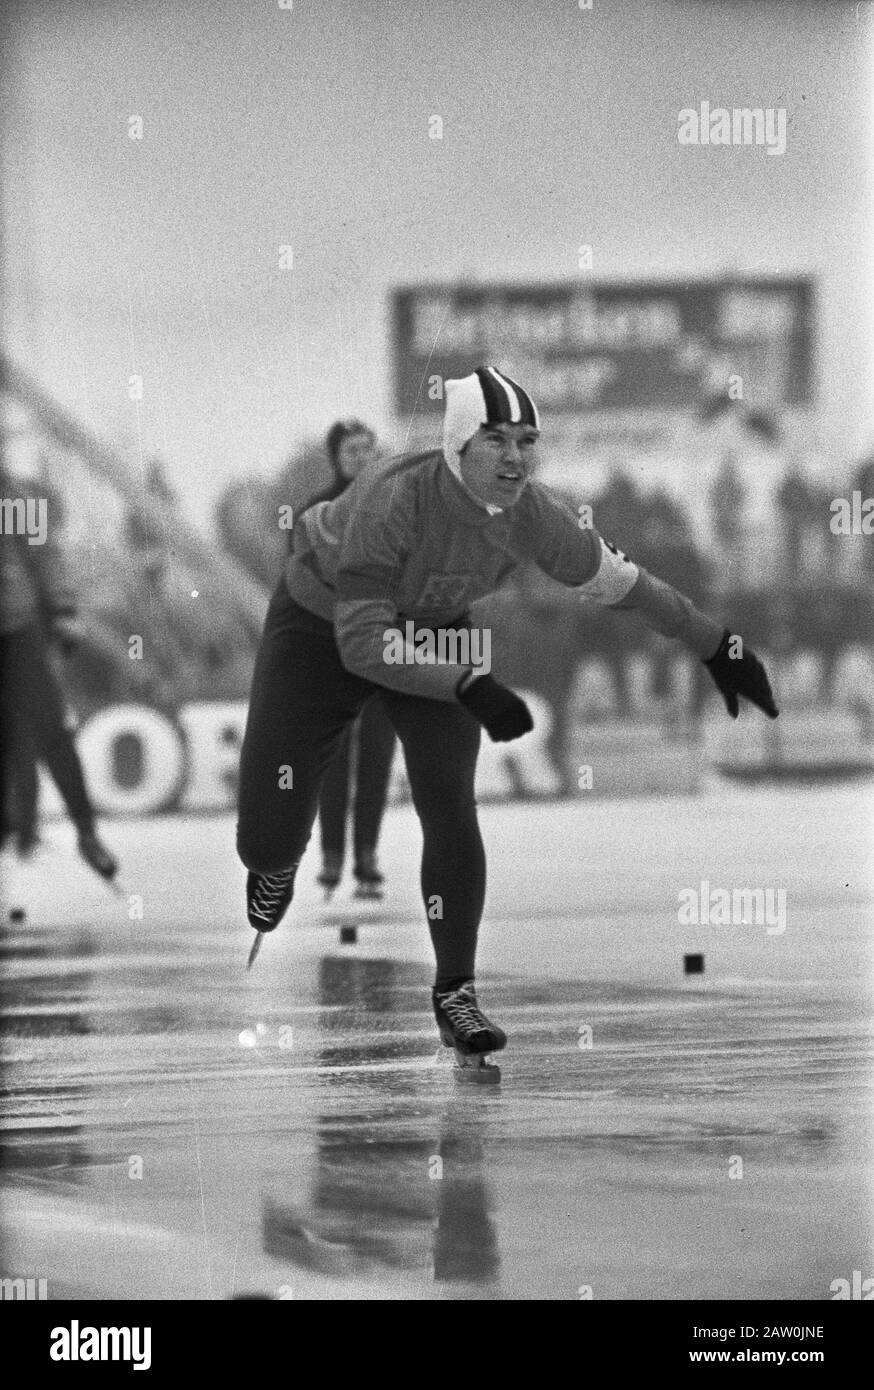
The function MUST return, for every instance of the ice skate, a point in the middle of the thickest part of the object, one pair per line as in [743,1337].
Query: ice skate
[97,856]
[369,881]
[28,844]
[464,1027]
[267,898]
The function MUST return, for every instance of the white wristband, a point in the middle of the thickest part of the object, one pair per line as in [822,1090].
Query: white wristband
[616,576]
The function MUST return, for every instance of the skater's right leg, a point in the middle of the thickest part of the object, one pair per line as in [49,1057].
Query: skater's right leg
[441,742]
[302,700]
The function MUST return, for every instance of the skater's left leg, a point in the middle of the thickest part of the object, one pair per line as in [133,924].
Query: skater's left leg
[23,789]
[302,701]
[40,704]
[35,701]
[376,746]
[441,742]
[333,810]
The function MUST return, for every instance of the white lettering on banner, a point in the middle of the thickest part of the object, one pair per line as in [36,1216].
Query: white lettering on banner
[160,759]
[213,734]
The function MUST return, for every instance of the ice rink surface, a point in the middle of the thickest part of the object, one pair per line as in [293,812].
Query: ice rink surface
[175,1128]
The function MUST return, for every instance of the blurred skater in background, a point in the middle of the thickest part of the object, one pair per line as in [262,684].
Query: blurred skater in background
[37,613]
[367,748]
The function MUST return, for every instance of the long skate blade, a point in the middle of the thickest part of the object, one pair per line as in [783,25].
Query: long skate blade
[256,947]
[476,1068]
[364,894]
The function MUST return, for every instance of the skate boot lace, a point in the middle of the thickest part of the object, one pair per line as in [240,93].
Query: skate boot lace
[462,1011]
[268,894]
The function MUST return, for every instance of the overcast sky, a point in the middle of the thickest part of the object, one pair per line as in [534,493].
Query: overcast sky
[266,127]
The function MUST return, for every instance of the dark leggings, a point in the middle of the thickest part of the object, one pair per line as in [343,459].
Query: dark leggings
[32,725]
[373,738]
[302,700]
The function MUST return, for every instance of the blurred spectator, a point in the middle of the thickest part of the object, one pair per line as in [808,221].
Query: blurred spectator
[619,511]
[248,513]
[728,500]
[249,530]
[317,473]
[863,481]
[863,478]
[666,549]
[145,537]
[302,479]
[744,517]
[350,446]
[798,506]
[665,543]
[368,745]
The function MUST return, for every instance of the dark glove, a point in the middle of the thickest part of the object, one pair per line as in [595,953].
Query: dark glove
[502,714]
[741,675]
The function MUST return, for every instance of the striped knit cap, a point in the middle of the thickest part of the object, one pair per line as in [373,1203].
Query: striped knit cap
[486,397]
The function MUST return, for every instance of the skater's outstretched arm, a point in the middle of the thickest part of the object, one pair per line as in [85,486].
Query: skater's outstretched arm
[735,669]
[583,560]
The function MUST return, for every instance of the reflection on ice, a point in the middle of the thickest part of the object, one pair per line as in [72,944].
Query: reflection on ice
[416,1203]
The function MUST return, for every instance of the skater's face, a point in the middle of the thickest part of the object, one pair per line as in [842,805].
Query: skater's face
[498,461]
[354,453]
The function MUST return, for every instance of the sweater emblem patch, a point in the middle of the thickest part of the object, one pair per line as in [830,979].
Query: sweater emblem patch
[443,590]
